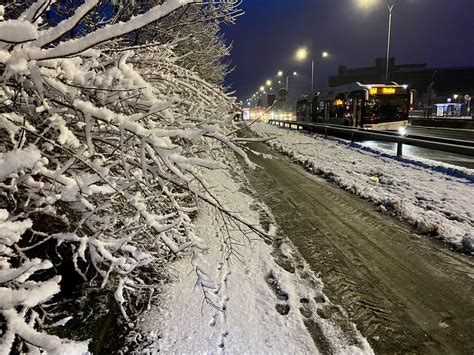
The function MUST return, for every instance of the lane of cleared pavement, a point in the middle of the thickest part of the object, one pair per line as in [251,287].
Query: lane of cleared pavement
[407,294]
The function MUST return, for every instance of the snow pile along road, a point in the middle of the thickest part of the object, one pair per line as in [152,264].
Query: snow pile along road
[258,306]
[436,198]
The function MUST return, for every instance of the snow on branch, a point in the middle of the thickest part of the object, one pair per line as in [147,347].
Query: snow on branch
[63,27]
[106,33]
[101,162]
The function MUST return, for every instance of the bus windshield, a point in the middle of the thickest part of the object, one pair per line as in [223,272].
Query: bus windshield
[386,108]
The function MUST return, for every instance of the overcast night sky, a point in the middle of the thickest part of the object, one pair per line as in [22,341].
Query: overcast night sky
[436,32]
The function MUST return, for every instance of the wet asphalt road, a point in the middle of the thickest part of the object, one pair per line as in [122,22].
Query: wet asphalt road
[461,134]
[450,158]
[417,152]
[406,294]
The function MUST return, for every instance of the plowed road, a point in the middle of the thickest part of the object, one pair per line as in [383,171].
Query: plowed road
[406,293]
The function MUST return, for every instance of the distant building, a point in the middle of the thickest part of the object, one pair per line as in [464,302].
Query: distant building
[432,85]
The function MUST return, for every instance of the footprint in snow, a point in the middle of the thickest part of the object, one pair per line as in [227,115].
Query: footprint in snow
[282,306]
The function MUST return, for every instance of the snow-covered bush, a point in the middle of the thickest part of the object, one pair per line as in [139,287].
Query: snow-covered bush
[100,158]
[201,46]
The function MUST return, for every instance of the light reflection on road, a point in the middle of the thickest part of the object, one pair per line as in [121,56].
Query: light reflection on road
[417,152]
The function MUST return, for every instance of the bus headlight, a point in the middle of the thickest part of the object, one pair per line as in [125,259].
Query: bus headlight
[402,131]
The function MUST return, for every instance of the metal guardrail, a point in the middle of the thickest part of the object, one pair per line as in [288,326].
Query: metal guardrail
[356,134]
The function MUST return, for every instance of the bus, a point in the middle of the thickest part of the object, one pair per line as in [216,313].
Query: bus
[374,106]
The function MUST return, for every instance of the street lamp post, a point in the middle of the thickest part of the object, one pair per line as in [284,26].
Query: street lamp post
[391,6]
[323,55]
[389,38]
[301,55]
[288,79]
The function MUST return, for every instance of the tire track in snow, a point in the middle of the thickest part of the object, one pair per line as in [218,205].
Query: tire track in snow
[406,294]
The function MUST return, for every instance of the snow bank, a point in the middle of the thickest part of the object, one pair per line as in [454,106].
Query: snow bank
[435,198]
[257,305]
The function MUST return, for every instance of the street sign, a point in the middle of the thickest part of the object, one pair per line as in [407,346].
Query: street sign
[440,111]
[283,93]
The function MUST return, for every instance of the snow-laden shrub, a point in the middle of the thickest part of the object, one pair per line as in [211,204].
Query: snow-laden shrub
[18,293]
[99,165]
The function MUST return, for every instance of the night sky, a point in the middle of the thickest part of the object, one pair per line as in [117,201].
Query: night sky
[436,32]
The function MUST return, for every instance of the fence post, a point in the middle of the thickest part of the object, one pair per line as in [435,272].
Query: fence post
[399,148]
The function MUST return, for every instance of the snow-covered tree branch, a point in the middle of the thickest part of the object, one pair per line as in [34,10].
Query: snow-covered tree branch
[100,160]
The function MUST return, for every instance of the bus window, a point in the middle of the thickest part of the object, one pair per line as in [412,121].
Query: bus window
[385,107]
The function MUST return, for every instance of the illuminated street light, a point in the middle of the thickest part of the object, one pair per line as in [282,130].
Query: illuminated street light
[302,54]
[288,78]
[367,4]
[262,88]
[280,73]
[269,82]
[390,5]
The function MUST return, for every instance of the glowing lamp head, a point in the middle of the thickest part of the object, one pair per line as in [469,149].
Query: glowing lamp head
[280,73]
[269,82]
[262,88]
[367,4]
[325,54]
[302,54]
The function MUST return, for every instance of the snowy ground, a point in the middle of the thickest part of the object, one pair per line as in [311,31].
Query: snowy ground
[268,308]
[273,303]
[434,197]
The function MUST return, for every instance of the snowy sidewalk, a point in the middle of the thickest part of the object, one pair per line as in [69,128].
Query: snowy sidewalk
[436,198]
[266,307]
